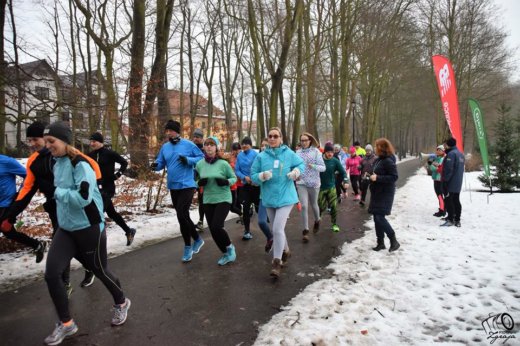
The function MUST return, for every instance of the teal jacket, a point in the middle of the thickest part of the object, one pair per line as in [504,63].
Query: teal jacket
[328,178]
[213,193]
[279,191]
[78,200]
[437,170]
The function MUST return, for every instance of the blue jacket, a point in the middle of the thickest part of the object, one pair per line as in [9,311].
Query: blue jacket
[453,170]
[9,169]
[180,176]
[279,191]
[243,164]
[77,209]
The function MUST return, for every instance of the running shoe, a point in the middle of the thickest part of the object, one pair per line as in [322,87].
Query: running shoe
[229,256]
[88,280]
[197,244]
[60,332]
[335,228]
[130,236]
[40,251]
[188,254]
[268,245]
[247,236]
[121,313]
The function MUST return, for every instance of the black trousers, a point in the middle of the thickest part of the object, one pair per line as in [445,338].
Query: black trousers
[200,199]
[249,195]
[16,236]
[110,210]
[181,200]
[50,207]
[236,207]
[89,247]
[354,181]
[363,186]
[339,185]
[453,206]
[216,215]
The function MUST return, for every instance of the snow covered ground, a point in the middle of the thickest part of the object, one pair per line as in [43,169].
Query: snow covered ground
[441,286]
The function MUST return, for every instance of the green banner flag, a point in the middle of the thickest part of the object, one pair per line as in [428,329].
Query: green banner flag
[481,133]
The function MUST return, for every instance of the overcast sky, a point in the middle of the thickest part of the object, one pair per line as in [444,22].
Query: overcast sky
[511,23]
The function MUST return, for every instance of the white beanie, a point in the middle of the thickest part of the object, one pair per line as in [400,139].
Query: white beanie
[369,147]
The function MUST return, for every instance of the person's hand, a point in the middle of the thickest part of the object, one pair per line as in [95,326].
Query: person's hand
[6,226]
[345,186]
[183,160]
[202,181]
[311,166]
[153,166]
[294,174]
[373,177]
[83,189]
[222,181]
[118,175]
[248,179]
[265,175]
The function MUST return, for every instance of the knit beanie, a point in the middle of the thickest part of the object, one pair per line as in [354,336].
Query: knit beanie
[329,147]
[96,136]
[198,133]
[214,140]
[247,140]
[440,147]
[60,130]
[173,125]
[369,147]
[36,129]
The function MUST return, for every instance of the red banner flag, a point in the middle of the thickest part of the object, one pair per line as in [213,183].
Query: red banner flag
[448,92]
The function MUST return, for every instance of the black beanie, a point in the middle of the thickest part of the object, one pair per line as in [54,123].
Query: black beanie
[451,142]
[96,136]
[329,147]
[247,140]
[173,125]
[60,130]
[35,129]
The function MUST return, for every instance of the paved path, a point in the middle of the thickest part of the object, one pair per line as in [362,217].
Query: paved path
[198,303]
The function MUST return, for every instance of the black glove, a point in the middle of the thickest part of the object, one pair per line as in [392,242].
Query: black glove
[83,189]
[153,166]
[183,160]
[118,175]
[202,182]
[222,181]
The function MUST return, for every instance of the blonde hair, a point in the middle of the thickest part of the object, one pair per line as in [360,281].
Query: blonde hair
[313,139]
[71,151]
[276,129]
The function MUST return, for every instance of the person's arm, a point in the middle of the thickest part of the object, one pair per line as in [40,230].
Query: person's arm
[84,185]
[160,160]
[29,188]
[448,166]
[14,167]
[195,155]
[390,169]
[230,174]
[121,160]
[320,164]
[238,167]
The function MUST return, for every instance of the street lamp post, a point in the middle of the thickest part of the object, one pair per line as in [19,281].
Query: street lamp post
[353,121]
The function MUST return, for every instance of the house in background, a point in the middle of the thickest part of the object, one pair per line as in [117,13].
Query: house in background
[217,127]
[34,91]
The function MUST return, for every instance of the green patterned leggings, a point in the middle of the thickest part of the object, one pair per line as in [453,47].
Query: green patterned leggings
[328,199]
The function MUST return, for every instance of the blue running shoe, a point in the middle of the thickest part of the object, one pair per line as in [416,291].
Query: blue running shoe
[247,236]
[197,244]
[229,256]
[188,254]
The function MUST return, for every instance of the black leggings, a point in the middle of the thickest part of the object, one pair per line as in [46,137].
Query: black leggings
[236,207]
[249,195]
[363,186]
[354,181]
[216,215]
[18,237]
[89,247]
[181,200]
[200,199]
[108,207]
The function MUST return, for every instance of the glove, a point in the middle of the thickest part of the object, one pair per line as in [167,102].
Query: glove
[265,176]
[183,160]
[154,165]
[6,226]
[118,175]
[83,189]
[294,174]
[222,182]
[202,182]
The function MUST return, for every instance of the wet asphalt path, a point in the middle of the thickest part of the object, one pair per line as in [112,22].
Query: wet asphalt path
[198,303]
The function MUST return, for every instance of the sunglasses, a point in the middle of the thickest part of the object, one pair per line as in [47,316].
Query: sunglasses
[274,136]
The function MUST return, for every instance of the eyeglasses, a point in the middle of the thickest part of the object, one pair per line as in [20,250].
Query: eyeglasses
[274,136]
[305,140]
[207,144]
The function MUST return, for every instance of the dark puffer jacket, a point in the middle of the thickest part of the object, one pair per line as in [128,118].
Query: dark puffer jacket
[383,189]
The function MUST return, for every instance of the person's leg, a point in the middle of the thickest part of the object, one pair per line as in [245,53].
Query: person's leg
[437,186]
[216,221]
[262,221]
[278,217]
[354,179]
[363,187]
[236,207]
[247,201]
[113,214]
[322,201]
[304,201]
[181,201]
[92,253]
[384,226]
[332,202]
[313,202]
[18,237]
[457,207]
[450,207]
[61,252]
[200,199]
